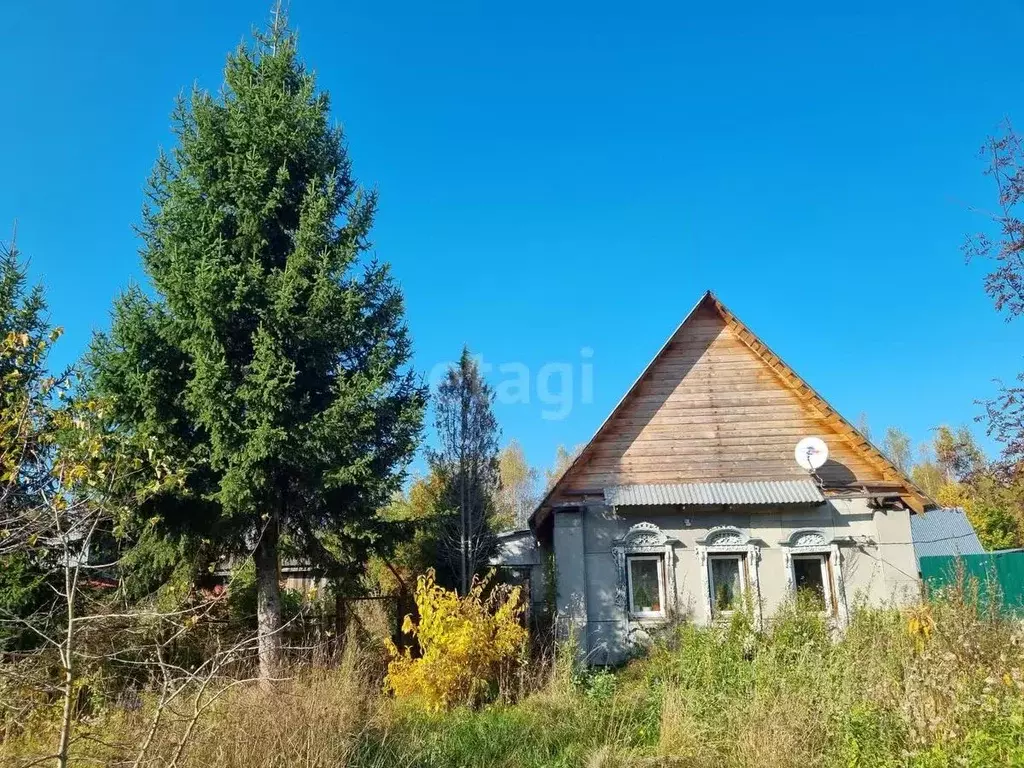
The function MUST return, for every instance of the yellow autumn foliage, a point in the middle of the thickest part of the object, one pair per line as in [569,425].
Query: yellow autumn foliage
[920,625]
[464,642]
[952,494]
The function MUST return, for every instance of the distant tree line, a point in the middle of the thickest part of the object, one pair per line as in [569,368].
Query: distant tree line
[953,470]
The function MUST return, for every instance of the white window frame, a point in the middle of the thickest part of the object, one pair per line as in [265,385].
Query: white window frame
[810,541]
[741,557]
[826,576]
[645,538]
[659,562]
[727,540]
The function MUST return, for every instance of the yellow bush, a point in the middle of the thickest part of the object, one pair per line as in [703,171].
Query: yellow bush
[465,642]
[920,625]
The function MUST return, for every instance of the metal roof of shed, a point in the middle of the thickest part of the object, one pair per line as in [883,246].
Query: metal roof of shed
[944,532]
[766,492]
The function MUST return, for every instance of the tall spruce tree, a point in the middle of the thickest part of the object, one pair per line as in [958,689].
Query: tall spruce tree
[272,360]
[26,430]
[466,461]
[25,340]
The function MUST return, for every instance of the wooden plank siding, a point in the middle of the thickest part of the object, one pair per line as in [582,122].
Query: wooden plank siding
[710,408]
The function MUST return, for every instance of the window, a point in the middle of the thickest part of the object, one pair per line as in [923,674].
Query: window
[728,582]
[646,585]
[811,577]
[728,558]
[814,566]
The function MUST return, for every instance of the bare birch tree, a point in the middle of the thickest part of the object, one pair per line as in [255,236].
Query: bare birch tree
[517,492]
[61,471]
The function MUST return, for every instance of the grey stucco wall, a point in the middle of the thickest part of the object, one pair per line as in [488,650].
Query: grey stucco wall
[876,555]
[571,574]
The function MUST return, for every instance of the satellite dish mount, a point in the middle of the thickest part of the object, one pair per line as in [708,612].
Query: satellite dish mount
[811,453]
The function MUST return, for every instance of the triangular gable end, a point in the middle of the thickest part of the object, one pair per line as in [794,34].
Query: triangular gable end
[716,404]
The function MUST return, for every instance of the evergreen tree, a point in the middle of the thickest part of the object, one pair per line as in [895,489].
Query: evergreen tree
[26,431]
[420,515]
[466,461]
[272,359]
[25,340]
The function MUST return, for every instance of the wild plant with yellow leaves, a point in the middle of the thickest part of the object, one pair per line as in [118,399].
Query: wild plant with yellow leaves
[465,643]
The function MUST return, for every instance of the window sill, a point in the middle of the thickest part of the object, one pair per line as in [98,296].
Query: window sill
[653,617]
[723,617]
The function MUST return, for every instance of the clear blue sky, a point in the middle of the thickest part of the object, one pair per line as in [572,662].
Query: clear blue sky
[557,176]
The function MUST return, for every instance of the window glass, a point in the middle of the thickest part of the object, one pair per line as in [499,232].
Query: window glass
[645,584]
[726,586]
[809,574]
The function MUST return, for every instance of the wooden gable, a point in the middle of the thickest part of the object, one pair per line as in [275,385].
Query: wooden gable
[717,405]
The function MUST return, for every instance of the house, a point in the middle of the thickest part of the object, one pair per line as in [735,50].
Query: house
[688,501]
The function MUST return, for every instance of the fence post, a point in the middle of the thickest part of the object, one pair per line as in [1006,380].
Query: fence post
[339,621]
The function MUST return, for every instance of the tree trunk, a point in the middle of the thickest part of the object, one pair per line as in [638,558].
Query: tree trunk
[463,491]
[268,604]
[68,662]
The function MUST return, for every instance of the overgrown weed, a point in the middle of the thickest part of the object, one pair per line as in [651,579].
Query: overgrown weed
[940,685]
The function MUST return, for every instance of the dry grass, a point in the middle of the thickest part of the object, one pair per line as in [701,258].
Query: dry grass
[317,719]
[724,697]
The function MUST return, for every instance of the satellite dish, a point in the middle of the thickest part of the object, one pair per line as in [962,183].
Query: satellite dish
[811,453]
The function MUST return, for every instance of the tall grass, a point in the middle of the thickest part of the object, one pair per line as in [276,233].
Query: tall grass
[949,693]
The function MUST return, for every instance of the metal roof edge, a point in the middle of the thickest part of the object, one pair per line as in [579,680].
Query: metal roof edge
[743,493]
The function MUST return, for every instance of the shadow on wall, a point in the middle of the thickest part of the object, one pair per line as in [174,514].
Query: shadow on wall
[833,472]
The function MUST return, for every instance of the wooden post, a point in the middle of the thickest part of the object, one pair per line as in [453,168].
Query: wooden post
[340,622]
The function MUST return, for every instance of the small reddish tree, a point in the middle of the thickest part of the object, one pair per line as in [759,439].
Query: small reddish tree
[1004,155]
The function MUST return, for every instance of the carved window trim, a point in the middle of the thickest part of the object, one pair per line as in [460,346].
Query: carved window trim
[645,539]
[811,541]
[729,540]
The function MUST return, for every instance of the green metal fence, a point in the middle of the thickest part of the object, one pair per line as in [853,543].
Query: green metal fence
[999,575]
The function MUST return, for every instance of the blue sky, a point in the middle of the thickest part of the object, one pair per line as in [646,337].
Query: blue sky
[560,177]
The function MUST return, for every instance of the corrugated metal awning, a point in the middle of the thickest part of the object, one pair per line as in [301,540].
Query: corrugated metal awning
[754,492]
